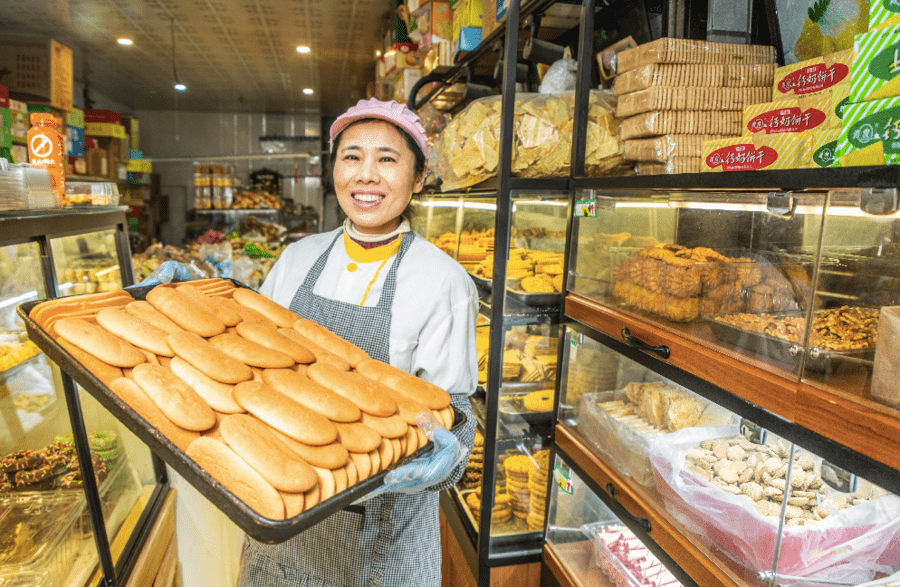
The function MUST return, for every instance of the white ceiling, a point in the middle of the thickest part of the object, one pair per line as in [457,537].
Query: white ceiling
[233,55]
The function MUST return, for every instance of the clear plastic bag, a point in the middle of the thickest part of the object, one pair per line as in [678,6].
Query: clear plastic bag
[467,151]
[219,256]
[849,545]
[560,77]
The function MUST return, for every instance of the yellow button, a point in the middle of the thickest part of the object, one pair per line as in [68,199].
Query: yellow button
[351,267]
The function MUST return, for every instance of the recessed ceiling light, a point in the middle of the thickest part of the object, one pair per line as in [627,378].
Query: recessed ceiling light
[180,87]
[124,41]
[377,53]
[308,91]
[302,49]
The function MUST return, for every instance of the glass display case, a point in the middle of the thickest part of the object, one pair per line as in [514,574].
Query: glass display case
[757,508]
[499,504]
[45,517]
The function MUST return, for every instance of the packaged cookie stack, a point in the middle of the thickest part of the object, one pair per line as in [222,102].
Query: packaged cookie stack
[500,514]
[591,370]
[674,94]
[537,485]
[518,469]
[280,411]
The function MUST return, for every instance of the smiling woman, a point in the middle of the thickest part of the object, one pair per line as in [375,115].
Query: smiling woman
[403,301]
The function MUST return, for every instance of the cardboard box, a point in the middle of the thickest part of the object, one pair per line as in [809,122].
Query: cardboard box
[39,70]
[401,55]
[20,122]
[814,76]
[440,55]
[488,17]
[469,39]
[502,7]
[820,148]
[883,14]
[434,22]
[871,134]
[875,75]
[74,141]
[793,115]
[467,13]
[97,162]
[779,151]
[103,116]
[74,118]
[404,82]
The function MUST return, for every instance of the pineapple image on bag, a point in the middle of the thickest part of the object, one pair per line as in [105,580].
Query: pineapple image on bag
[831,26]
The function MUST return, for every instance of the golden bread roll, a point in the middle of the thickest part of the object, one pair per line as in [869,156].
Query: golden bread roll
[96,341]
[446,416]
[386,453]
[407,408]
[330,341]
[284,414]
[151,358]
[390,427]
[274,340]
[397,446]
[265,306]
[214,431]
[130,393]
[340,479]
[45,310]
[351,386]
[144,311]
[412,441]
[251,353]
[248,314]
[327,486]
[329,456]
[294,503]
[322,355]
[105,372]
[375,457]
[177,400]
[312,497]
[185,312]
[427,394]
[212,362]
[134,330]
[49,324]
[300,388]
[277,464]
[363,465]
[214,393]
[352,474]
[235,475]
[357,437]
[213,305]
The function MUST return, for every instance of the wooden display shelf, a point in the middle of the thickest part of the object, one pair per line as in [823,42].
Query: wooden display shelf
[572,567]
[744,377]
[695,559]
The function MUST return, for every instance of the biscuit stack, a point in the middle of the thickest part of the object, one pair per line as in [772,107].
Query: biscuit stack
[475,467]
[518,469]
[674,94]
[279,410]
[537,485]
[501,512]
[592,370]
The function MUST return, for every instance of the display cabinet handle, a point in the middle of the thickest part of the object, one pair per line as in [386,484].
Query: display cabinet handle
[644,523]
[661,350]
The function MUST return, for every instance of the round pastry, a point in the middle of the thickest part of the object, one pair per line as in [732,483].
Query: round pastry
[539,401]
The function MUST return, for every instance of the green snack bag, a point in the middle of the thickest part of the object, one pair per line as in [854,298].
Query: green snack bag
[875,74]
[871,134]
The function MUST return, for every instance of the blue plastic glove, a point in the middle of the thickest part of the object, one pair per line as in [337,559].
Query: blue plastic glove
[430,469]
[168,272]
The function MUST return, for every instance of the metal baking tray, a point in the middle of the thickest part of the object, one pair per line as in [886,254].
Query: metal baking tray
[791,353]
[248,520]
[536,299]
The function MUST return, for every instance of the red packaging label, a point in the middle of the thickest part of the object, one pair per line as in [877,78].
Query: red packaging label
[786,120]
[814,78]
[91,143]
[742,157]
[4,96]
[108,116]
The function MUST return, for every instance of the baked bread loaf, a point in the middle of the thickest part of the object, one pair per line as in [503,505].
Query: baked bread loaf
[248,314]
[329,456]
[130,393]
[353,387]
[284,414]
[177,400]
[214,393]
[390,427]
[357,437]
[330,341]
[302,389]
[212,304]
[209,360]
[144,311]
[427,394]
[235,475]
[322,355]
[134,330]
[185,312]
[101,370]
[275,341]
[98,342]
[251,353]
[266,306]
[277,464]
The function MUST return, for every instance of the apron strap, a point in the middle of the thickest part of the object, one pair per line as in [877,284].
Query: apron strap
[316,270]
[386,299]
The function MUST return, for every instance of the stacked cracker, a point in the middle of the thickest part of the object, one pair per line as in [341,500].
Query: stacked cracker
[527,270]
[475,467]
[280,411]
[537,485]
[674,94]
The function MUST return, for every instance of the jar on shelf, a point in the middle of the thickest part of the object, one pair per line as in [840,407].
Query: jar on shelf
[202,187]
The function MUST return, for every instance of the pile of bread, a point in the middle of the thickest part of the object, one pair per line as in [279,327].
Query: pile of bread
[527,270]
[279,410]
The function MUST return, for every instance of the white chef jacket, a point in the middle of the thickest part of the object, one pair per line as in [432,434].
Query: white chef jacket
[434,309]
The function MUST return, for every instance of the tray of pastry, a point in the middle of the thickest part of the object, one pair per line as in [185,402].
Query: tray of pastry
[536,299]
[482,282]
[208,429]
[847,334]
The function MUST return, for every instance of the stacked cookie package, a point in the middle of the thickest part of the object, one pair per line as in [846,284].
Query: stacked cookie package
[280,411]
[675,94]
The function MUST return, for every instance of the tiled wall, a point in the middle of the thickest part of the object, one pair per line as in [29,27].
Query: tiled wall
[189,137]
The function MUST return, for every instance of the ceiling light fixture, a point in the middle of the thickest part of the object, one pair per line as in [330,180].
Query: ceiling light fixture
[124,41]
[302,49]
[180,87]
[377,54]
[308,91]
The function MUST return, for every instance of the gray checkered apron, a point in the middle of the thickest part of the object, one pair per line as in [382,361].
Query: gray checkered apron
[388,541]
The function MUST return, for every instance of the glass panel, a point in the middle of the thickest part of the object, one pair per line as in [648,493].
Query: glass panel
[705,266]
[437,219]
[856,325]
[86,263]
[595,548]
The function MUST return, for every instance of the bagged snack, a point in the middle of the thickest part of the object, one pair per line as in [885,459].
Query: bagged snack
[686,122]
[779,151]
[668,50]
[819,148]
[663,98]
[662,149]
[691,75]
[874,75]
[813,76]
[871,134]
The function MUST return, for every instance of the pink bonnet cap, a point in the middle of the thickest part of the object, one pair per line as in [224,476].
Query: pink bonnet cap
[391,111]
